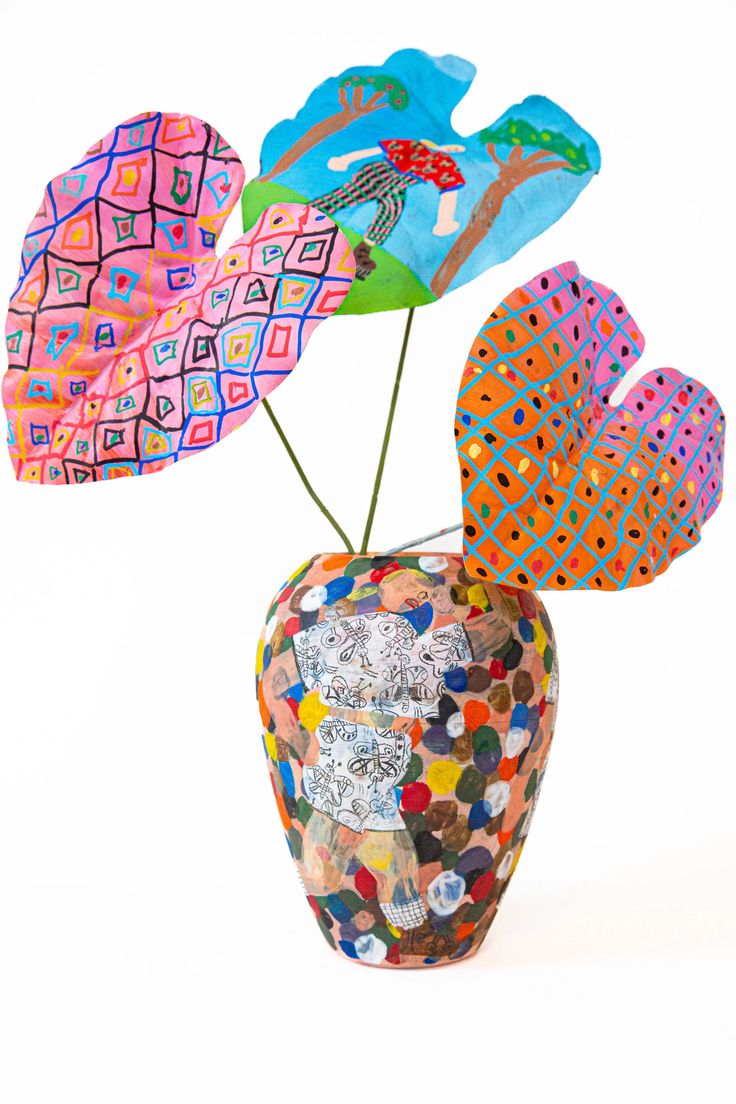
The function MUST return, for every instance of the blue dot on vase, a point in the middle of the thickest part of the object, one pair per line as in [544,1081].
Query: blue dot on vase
[339,909]
[526,630]
[478,815]
[287,775]
[338,588]
[457,679]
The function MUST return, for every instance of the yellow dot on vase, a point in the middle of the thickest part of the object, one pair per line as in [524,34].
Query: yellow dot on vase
[477,595]
[312,711]
[691,487]
[524,464]
[442,777]
[540,637]
[474,450]
[270,742]
[376,856]
[298,571]
[666,419]
[259,656]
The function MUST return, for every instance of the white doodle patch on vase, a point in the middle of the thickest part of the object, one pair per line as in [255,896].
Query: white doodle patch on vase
[376,663]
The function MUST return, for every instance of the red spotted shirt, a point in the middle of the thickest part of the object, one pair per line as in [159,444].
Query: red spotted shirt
[414,158]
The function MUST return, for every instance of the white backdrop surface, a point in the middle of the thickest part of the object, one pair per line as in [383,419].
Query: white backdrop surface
[154,944]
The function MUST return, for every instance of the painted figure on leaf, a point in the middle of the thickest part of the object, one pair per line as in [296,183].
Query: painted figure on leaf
[395,119]
[395,165]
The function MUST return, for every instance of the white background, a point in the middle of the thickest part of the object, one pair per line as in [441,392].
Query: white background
[154,945]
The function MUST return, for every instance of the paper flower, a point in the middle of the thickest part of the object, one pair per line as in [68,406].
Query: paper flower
[131,344]
[562,488]
[425,208]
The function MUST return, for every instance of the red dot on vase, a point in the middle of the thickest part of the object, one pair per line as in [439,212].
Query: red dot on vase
[415,797]
[365,884]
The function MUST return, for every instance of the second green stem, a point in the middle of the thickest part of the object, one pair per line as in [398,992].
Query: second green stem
[387,435]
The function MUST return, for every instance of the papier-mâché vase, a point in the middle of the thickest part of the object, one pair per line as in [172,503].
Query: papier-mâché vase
[408,713]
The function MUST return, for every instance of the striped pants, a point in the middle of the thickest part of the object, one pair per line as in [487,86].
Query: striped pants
[377,181]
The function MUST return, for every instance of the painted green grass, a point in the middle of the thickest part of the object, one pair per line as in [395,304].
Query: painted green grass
[391,286]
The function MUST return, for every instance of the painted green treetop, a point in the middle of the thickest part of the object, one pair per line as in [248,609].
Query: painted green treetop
[518,132]
[383,84]
[532,151]
[382,90]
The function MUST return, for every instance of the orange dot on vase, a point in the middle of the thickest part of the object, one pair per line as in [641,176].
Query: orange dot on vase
[337,562]
[476,713]
[507,768]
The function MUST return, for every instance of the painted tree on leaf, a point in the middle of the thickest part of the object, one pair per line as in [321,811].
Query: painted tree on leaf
[358,95]
[549,151]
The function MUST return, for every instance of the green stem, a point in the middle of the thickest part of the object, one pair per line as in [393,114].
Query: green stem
[300,472]
[387,435]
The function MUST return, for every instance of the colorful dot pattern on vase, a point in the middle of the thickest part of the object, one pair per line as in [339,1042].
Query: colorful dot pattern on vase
[407,722]
[130,343]
[564,488]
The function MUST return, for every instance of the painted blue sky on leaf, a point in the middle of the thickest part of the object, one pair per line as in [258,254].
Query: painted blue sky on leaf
[338,121]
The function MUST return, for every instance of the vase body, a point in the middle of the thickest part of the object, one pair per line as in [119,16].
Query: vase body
[408,712]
